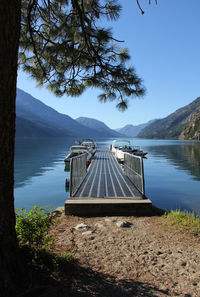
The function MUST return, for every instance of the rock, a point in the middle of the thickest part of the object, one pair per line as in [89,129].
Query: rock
[61,230]
[194,284]
[82,226]
[99,225]
[60,208]
[58,212]
[123,224]
[110,220]
[88,233]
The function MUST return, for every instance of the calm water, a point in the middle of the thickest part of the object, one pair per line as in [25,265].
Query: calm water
[172,172]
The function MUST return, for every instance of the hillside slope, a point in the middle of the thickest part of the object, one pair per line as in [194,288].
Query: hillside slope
[98,126]
[36,119]
[42,120]
[172,126]
[192,130]
[27,128]
[133,131]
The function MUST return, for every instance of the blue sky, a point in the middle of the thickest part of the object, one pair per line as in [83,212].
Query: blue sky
[164,45]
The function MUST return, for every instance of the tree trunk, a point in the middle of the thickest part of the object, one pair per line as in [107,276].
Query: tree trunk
[11,268]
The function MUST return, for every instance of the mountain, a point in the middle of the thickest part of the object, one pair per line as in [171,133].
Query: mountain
[173,125]
[98,126]
[27,128]
[192,130]
[133,131]
[35,119]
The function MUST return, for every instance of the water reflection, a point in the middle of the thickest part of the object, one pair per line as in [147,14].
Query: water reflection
[184,157]
[172,174]
[33,157]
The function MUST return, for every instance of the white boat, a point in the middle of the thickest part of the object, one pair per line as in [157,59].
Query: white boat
[121,146]
[89,143]
[77,150]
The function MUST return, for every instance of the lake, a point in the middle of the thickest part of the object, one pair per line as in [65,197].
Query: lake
[172,172]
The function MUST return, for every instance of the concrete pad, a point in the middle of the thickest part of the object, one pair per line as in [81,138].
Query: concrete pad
[108,206]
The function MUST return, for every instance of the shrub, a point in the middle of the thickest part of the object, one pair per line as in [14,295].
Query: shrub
[185,221]
[32,226]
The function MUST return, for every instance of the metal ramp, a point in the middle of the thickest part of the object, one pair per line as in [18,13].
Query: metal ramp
[106,190]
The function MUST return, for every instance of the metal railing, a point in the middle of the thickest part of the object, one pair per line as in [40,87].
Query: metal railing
[78,170]
[133,168]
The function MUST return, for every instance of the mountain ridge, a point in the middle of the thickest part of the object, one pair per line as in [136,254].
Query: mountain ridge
[35,119]
[172,126]
[98,126]
[133,130]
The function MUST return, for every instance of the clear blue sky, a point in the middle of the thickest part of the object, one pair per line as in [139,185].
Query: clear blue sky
[164,45]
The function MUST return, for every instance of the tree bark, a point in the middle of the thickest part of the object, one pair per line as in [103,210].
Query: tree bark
[11,268]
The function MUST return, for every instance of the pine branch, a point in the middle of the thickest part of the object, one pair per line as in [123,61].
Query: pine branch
[66,49]
[140,8]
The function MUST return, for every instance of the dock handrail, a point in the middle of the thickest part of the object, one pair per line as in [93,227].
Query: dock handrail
[78,170]
[133,168]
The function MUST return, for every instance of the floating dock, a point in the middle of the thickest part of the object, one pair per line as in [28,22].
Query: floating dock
[106,190]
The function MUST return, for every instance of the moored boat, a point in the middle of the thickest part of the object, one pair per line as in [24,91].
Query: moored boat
[90,144]
[86,147]
[77,150]
[121,146]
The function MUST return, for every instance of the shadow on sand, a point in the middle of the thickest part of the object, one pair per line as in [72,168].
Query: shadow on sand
[84,282]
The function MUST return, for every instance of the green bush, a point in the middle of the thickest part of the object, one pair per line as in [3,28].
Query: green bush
[32,226]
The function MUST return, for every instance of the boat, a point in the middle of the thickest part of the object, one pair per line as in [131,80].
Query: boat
[121,146]
[75,151]
[90,144]
[87,146]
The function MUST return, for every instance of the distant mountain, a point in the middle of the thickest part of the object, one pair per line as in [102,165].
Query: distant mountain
[35,119]
[133,131]
[98,126]
[173,125]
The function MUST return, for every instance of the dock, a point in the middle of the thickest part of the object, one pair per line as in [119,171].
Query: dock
[105,189]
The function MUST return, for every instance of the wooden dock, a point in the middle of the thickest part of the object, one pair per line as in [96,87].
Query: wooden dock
[106,190]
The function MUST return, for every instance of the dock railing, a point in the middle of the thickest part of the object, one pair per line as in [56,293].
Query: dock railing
[78,170]
[133,168]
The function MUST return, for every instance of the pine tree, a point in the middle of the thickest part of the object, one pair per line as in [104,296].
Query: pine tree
[65,47]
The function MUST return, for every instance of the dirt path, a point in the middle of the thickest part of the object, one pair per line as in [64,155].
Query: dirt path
[145,259]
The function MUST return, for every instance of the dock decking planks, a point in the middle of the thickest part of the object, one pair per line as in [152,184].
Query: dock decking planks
[105,179]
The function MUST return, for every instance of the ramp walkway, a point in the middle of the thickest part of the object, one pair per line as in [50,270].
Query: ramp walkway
[106,190]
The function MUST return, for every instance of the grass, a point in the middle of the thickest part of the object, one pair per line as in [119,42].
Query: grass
[184,220]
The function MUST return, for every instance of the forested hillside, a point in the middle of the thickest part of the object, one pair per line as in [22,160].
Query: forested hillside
[173,125]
